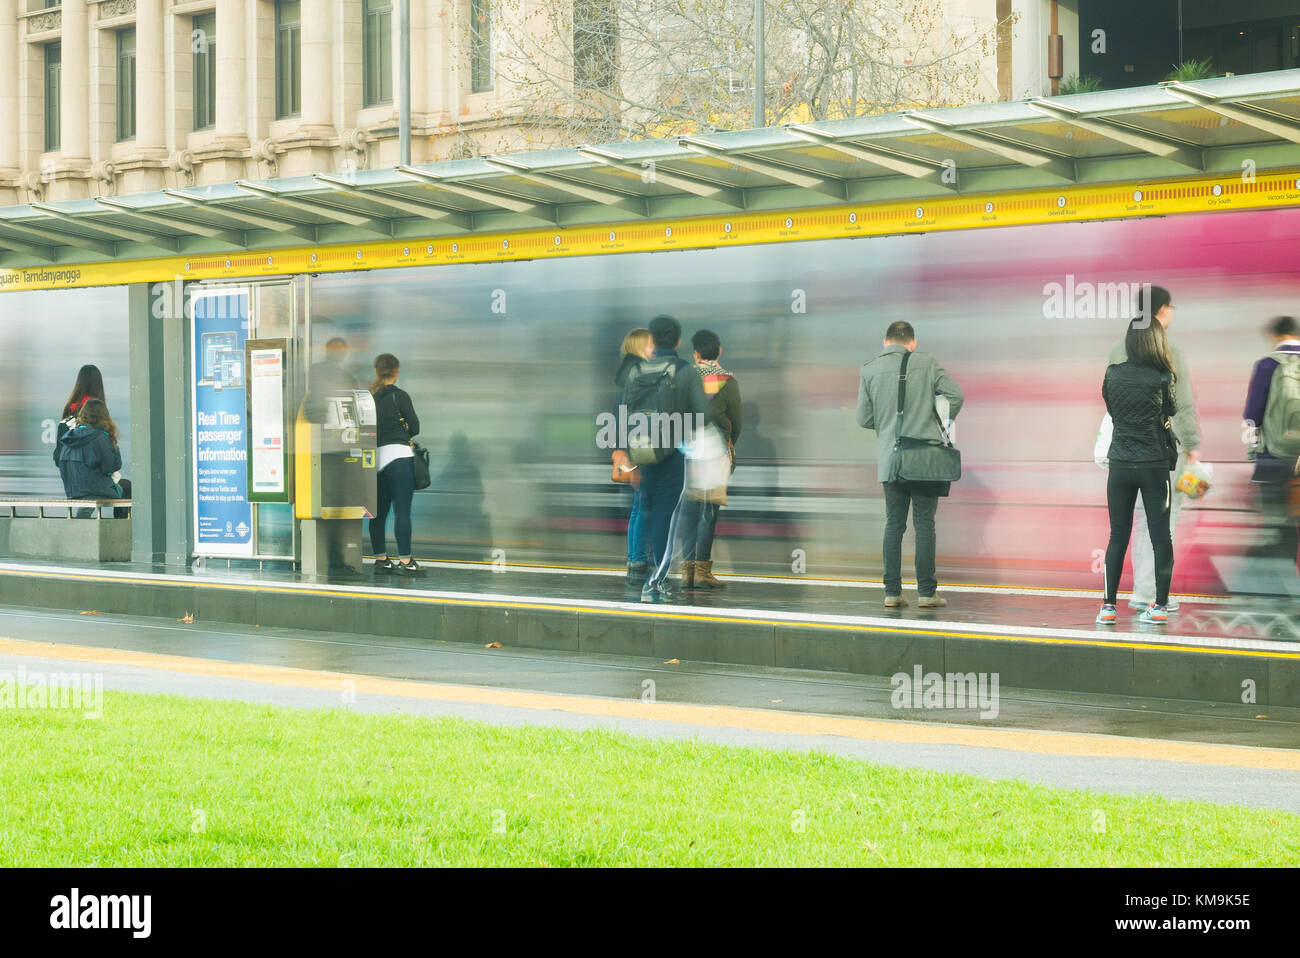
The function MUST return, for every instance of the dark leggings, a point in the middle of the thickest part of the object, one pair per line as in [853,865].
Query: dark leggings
[1122,490]
[396,483]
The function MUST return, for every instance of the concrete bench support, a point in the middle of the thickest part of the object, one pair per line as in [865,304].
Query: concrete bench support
[81,540]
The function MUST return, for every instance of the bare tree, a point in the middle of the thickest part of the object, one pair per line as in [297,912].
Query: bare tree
[589,71]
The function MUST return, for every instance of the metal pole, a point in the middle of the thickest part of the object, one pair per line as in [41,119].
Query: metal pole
[760,103]
[404,82]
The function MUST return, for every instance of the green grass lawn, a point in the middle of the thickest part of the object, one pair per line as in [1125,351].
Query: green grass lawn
[165,780]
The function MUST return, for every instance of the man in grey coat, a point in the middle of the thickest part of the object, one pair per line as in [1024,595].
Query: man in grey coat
[1156,302]
[878,410]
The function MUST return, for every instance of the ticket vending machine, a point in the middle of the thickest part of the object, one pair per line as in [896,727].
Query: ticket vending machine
[335,481]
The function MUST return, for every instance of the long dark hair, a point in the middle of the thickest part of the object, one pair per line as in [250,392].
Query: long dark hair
[94,412]
[1147,345]
[89,383]
[385,365]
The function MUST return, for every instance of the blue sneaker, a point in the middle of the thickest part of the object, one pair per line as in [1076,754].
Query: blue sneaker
[1154,615]
[1171,606]
[1107,615]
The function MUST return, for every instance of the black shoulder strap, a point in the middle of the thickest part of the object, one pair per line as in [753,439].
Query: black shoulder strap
[902,395]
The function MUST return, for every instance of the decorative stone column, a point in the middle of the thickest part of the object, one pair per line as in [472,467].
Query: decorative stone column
[311,146]
[68,178]
[223,155]
[10,145]
[142,169]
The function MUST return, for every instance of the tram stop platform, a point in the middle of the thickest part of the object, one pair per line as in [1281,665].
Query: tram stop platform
[1214,649]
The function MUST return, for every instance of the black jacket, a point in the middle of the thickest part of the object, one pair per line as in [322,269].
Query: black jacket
[389,402]
[1140,402]
[87,460]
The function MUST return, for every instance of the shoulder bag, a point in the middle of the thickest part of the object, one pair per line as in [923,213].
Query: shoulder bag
[920,460]
[422,478]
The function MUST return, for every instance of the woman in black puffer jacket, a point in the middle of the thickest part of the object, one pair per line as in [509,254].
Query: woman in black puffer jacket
[1143,451]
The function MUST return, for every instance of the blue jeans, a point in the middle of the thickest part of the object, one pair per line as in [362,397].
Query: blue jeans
[396,488]
[636,550]
[661,490]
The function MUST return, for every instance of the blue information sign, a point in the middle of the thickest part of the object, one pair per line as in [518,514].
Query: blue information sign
[223,518]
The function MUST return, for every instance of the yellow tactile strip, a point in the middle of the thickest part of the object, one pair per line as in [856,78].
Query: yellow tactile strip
[760,720]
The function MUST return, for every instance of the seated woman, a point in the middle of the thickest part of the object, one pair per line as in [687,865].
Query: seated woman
[89,459]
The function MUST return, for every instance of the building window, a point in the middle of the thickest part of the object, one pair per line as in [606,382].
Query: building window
[204,45]
[480,46]
[288,60]
[53,115]
[378,56]
[126,84]
[595,44]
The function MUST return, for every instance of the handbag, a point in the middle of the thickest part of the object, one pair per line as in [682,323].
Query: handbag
[920,460]
[421,459]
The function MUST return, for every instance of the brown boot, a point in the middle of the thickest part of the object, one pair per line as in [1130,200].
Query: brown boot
[704,578]
[688,575]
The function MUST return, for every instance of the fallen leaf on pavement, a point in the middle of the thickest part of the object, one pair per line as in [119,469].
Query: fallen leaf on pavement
[493,645]
[673,662]
[91,612]
[187,618]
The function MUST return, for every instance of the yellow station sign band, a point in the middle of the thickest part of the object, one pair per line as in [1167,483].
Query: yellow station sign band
[1071,204]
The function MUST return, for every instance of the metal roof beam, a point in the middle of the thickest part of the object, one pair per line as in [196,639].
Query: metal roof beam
[358,220]
[1271,123]
[1024,155]
[635,205]
[541,211]
[229,237]
[398,204]
[246,218]
[167,243]
[678,181]
[43,253]
[802,178]
[907,165]
[61,239]
[1175,150]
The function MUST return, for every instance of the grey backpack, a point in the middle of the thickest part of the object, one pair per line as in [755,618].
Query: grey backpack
[1281,427]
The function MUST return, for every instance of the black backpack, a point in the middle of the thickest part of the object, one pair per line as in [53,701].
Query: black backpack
[651,391]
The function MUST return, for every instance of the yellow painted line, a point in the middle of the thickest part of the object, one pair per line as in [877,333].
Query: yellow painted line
[1070,204]
[713,716]
[916,632]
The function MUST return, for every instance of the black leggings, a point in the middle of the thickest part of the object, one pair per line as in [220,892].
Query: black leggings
[1121,496]
[396,483]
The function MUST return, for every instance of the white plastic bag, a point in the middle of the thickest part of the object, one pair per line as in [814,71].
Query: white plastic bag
[708,465]
[1195,480]
[1101,449]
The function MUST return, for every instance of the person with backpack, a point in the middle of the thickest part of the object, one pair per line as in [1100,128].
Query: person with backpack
[1156,303]
[1272,419]
[1139,395]
[637,345]
[878,409]
[88,457]
[664,398]
[700,517]
[396,425]
[89,385]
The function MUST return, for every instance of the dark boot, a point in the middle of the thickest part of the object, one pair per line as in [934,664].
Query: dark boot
[636,573]
[704,576]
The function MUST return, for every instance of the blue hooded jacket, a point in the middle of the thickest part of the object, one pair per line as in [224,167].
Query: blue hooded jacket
[87,460]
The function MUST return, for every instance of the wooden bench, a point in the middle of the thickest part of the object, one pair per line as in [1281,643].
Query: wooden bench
[61,529]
